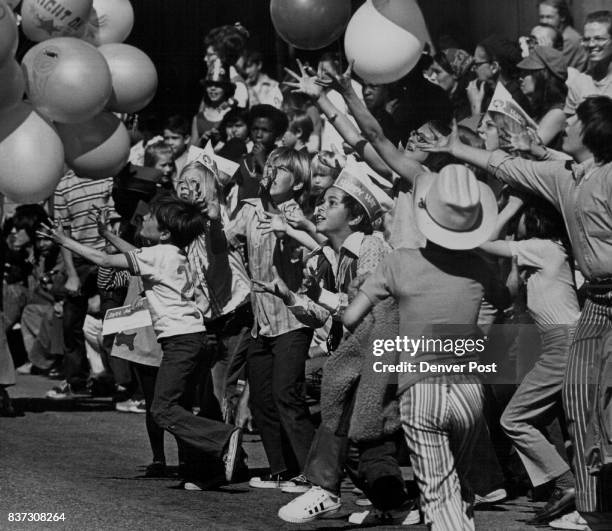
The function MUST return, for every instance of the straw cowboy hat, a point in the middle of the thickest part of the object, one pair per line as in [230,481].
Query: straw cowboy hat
[453,209]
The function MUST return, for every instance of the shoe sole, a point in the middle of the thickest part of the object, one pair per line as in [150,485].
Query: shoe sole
[295,520]
[280,485]
[363,502]
[233,446]
[499,496]
[295,490]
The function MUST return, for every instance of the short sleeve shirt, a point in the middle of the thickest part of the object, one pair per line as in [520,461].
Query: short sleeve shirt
[169,288]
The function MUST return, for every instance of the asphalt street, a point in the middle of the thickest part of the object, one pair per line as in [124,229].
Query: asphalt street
[85,460]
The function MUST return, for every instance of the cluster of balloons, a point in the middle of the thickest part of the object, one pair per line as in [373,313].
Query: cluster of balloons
[384,38]
[75,78]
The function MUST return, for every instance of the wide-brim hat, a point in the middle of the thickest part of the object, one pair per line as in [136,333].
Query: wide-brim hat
[453,209]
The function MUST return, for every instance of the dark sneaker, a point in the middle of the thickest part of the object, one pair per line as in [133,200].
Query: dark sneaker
[65,392]
[230,458]
[156,469]
[562,501]
[204,484]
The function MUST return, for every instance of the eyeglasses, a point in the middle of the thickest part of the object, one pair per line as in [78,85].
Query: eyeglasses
[597,41]
[476,64]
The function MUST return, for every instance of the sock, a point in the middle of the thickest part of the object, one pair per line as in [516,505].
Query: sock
[565,480]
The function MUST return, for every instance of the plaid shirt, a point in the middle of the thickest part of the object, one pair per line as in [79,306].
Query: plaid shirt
[272,317]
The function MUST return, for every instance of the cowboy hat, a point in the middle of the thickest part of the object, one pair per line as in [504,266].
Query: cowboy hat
[453,209]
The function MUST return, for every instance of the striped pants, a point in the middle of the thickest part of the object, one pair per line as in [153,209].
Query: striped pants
[593,493]
[442,417]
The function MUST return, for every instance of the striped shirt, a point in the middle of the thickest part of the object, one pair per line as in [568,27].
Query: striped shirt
[73,201]
[272,317]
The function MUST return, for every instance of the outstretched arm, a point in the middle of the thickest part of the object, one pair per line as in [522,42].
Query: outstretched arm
[100,216]
[305,84]
[56,233]
[406,167]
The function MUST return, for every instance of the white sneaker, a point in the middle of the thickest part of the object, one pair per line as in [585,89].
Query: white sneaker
[297,485]
[570,521]
[129,406]
[310,505]
[407,514]
[26,368]
[495,496]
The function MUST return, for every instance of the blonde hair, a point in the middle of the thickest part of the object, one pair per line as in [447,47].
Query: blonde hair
[154,152]
[317,165]
[298,163]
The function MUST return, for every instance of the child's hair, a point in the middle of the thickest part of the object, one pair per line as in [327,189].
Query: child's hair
[178,124]
[298,163]
[234,115]
[356,209]
[29,218]
[209,178]
[318,167]
[182,219]
[302,122]
[154,152]
[543,221]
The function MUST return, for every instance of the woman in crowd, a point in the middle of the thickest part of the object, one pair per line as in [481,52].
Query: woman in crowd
[543,74]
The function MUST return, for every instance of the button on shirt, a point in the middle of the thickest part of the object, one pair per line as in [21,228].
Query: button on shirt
[583,195]
[265,250]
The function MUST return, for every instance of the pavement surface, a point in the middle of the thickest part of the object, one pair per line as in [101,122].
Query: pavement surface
[84,460]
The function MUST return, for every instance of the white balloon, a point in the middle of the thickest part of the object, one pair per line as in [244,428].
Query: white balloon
[31,155]
[382,51]
[110,21]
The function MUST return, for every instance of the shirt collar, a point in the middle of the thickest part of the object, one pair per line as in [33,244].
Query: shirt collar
[353,243]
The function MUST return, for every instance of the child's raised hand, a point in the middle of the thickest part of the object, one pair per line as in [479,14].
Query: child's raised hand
[297,220]
[53,231]
[341,83]
[305,82]
[440,143]
[275,287]
[272,223]
[100,217]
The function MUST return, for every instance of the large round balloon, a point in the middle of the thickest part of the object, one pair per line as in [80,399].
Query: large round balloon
[134,77]
[46,19]
[67,79]
[310,24]
[8,33]
[31,155]
[381,49]
[109,21]
[97,148]
[12,84]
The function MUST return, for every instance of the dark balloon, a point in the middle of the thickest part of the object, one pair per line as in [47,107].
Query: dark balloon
[310,24]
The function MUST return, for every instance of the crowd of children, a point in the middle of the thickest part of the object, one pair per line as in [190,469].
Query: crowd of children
[321,215]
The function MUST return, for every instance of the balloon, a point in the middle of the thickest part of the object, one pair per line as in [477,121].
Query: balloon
[310,24]
[133,76]
[382,50]
[97,148]
[46,19]
[67,79]
[12,84]
[110,21]
[8,33]
[31,155]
